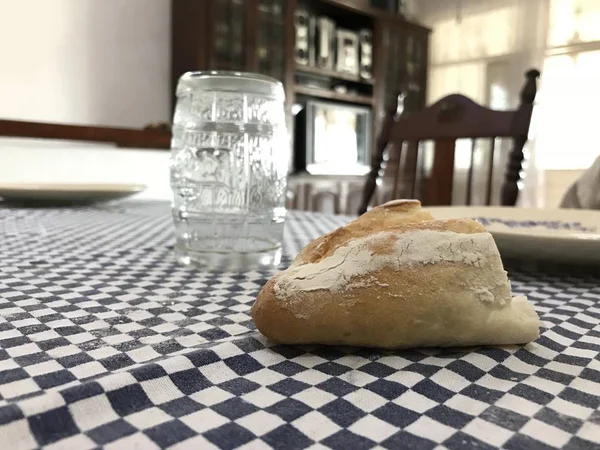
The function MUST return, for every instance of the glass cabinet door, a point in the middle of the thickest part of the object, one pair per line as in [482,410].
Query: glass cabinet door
[228,52]
[405,72]
[416,69]
[394,75]
[270,42]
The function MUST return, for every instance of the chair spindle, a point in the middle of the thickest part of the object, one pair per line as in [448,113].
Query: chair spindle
[470,174]
[439,184]
[410,167]
[490,173]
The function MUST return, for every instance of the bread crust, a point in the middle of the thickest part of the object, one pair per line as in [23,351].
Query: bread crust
[402,302]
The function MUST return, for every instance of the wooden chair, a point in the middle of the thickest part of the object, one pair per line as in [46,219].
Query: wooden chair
[154,136]
[453,117]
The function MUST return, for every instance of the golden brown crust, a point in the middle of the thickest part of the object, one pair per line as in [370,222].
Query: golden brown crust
[385,217]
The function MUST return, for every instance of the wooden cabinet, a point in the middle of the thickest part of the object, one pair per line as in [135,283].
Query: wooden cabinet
[258,36]
[237,35]
[228,50]
[269,51]
[406,72]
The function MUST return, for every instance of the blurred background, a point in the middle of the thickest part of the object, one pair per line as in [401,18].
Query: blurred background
[343,64]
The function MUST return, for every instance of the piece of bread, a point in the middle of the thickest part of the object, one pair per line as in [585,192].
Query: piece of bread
[397,278]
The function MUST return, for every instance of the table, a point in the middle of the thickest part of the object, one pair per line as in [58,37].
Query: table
[106,341]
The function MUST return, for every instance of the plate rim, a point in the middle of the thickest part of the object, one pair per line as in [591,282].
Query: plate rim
[512,233]
[71,187]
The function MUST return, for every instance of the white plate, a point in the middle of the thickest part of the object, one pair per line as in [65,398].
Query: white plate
[557,234]
[66,193]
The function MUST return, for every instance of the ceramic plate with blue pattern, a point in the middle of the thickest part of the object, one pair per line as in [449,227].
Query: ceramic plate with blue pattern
[558,234]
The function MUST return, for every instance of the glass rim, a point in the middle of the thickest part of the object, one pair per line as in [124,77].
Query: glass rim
[200,74]
[229,81]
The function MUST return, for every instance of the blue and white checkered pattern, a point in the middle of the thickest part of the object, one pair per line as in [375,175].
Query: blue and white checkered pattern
[105,341]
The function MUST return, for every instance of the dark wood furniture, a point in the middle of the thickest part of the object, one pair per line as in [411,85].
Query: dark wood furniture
[151,138]
[259,36]
[453,117]
[238,35]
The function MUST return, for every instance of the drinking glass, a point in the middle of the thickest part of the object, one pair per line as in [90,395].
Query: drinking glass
[229,162]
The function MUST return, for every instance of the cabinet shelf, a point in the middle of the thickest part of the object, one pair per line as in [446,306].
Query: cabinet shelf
[355,9]
[372,13]
[332,74]
[332,95]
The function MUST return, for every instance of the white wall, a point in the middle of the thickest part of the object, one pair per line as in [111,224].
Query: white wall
[98,62]
[94,62]
[42,161]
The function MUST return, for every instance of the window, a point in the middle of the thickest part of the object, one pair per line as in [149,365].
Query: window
[481,48]
[566,105]
[567,112]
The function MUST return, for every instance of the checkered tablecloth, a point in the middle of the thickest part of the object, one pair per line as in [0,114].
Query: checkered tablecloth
[106,341]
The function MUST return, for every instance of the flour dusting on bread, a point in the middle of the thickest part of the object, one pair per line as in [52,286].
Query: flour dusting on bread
[366,255]
[396,278]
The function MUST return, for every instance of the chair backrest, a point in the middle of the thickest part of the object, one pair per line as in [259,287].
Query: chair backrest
[152,137]
[453,117]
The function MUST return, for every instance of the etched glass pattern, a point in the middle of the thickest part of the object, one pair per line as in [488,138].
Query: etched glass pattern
[229,163]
